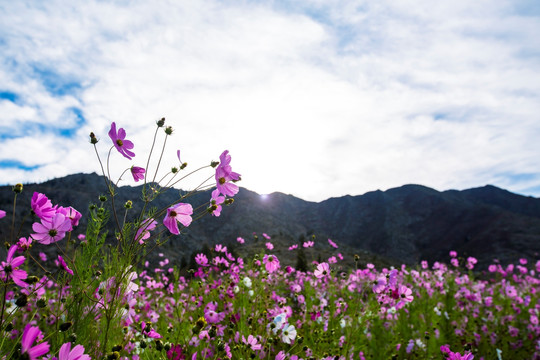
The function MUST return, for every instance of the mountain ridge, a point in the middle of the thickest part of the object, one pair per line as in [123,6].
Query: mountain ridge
[403,224]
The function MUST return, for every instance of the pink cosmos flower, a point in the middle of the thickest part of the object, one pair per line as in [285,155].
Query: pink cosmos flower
[137,173]
[180,212]
[77,353]
[24,244]
[307,244]
[201,259]
[271,263]
[332,244]
[252,342]
[176,353]
[143,232]
[62,263]
[2,214]
[471,262]
[240,240]
[120,143]
[212,315]
[150,332]
[42,206]
[216,200]
[30,334]
[9,268]
[224,176]
[71,214]
[323,269]
[220,248]
[48,232]
[405,293]
[269,246]
[293,247]
[380,285]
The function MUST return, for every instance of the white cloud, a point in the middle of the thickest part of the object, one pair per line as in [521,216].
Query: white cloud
[312,98]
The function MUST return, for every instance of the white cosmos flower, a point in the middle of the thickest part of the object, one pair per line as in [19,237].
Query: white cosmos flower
[247,282]
[288,334]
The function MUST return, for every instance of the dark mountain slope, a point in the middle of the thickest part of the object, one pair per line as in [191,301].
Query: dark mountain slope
[404,224]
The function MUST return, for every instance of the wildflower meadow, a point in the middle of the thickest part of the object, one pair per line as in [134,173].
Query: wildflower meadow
[102,299]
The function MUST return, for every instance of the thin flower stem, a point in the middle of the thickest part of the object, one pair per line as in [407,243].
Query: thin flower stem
[111,192]
[102,169]
[188,174]
[149,156]
[160,157]
[3,307]
[13,218]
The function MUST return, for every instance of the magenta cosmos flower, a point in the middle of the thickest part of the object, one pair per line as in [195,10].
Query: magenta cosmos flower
[137,173]
[323,269]
[143,232]
[73,215]
[224,176]
[180,212]
[9,268]
[271,263]
[42,206]
[216,200]
[2,214]
[120,143]
[77,353]
[30,334]
[48,232]
[62,264]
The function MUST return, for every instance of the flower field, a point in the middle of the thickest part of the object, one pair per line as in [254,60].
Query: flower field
[101,299]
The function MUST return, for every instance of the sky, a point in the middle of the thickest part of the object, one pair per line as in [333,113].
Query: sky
[314,98]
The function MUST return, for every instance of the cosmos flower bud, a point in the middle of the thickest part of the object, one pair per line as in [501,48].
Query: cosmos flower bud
[174,170]
[22,300]
[41,303]
[159,345]
[214,164]
[31,279]
[169,130]
[160,122]
[65,326]
[229,201]
[102,198]
[18,188]
[128,204]
[116,355]
[183,166]
[93,139]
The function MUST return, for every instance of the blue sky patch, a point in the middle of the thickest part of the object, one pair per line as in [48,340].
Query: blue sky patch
[10,164]
[9,96]
[55,83]
[80,120]
[76,121]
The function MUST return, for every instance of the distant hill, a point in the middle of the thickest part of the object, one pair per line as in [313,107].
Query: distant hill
[400,225]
